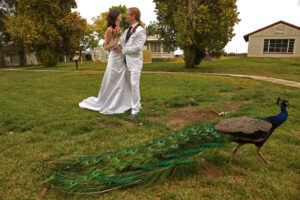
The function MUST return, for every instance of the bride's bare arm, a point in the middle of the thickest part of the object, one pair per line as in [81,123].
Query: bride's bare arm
[108,46]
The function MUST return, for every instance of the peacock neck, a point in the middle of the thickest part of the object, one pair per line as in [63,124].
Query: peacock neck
[278,119]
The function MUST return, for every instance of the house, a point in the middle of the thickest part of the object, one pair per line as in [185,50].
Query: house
[280,39]
[156,46]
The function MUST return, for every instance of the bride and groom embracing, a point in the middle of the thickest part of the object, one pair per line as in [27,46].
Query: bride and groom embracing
[120,87]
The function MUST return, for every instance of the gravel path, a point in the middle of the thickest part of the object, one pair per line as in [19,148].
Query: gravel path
[268,79]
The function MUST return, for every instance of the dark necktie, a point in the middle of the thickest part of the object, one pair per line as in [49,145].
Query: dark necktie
[128,33]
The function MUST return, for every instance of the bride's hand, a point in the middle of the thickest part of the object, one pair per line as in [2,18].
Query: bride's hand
[116,40]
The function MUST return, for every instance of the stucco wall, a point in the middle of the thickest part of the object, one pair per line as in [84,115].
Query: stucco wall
[279,31]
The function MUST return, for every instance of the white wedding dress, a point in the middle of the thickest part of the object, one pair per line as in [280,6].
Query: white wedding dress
[114,96]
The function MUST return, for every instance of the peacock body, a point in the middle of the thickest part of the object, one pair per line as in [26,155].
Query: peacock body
[152,159]
[247,130]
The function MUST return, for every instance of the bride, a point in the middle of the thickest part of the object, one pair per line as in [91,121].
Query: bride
[114,96]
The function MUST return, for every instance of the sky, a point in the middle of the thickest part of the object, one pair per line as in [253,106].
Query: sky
[254,14]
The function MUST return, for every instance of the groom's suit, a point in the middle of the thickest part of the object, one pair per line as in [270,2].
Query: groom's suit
[133,51]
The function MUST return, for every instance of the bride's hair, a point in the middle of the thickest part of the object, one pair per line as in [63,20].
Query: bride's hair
[137,13]
[112,18]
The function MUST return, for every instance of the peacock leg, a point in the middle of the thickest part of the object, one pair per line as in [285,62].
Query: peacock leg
[234,152]
[260,155]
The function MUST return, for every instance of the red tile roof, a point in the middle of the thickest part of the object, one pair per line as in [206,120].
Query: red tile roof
[246,37]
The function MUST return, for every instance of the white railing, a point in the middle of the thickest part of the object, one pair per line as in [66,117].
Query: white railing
[162,55]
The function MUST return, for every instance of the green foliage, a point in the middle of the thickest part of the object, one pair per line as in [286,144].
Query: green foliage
[123,9]
[152,29]
[196,25]
[88,57]
[7,45]
[47,57]
[90,39]
[100,22]
[48,26]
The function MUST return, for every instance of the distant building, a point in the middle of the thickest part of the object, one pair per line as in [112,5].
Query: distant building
[280,39]
[153,49]
[100,55]
[14,60]
[156,46]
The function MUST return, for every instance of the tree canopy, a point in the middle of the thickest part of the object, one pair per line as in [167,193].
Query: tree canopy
[196,25]
[47,27]
[100,22]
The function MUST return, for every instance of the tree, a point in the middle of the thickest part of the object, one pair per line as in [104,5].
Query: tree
[195,25]
[152,29]
[47,27]
[7,45]
[100,22]
[90,39]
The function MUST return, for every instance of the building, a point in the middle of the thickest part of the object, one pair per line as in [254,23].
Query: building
[280,39]
[153,49]
[100,55]
[14,60]
[155,45]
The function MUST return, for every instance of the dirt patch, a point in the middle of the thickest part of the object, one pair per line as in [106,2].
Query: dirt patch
[240,88]
[128,124]
[116,127]
[235,179]
[234,106]
[84,73]
[210,172]
[183,116]
[112,126]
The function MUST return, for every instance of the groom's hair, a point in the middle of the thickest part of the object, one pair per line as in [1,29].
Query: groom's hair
[137,13]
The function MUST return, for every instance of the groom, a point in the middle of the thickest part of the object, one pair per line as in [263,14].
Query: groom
[132,43]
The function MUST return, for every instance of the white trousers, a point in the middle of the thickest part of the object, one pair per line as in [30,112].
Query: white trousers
[133,79]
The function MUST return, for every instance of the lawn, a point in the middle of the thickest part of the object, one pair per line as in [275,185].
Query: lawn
[284,68]
[40,118]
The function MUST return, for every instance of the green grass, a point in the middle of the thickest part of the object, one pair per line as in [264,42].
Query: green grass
[284,68]
[40,118]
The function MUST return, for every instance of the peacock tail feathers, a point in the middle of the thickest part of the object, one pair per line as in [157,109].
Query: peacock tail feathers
[141,163]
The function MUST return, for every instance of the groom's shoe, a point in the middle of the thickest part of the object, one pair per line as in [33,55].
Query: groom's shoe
[130,117]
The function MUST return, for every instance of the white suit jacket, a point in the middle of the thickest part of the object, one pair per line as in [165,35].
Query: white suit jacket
[133,49]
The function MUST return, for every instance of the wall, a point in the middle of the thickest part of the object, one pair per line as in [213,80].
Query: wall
[279,31]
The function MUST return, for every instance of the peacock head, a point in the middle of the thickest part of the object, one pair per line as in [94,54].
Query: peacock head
[284,103]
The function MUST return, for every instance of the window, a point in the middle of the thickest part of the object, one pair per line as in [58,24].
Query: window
[279,45]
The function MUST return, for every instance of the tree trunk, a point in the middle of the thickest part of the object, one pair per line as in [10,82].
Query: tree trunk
[189,57]
[2,61]
[22,57]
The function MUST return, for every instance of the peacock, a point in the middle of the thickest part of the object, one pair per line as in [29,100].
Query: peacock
[156,158]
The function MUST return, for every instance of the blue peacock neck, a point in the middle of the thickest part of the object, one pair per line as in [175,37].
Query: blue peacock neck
[279,119]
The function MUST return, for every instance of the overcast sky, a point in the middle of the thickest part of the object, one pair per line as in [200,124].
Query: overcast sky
[254,14]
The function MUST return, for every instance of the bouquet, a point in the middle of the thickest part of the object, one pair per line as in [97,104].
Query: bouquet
[115,34]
